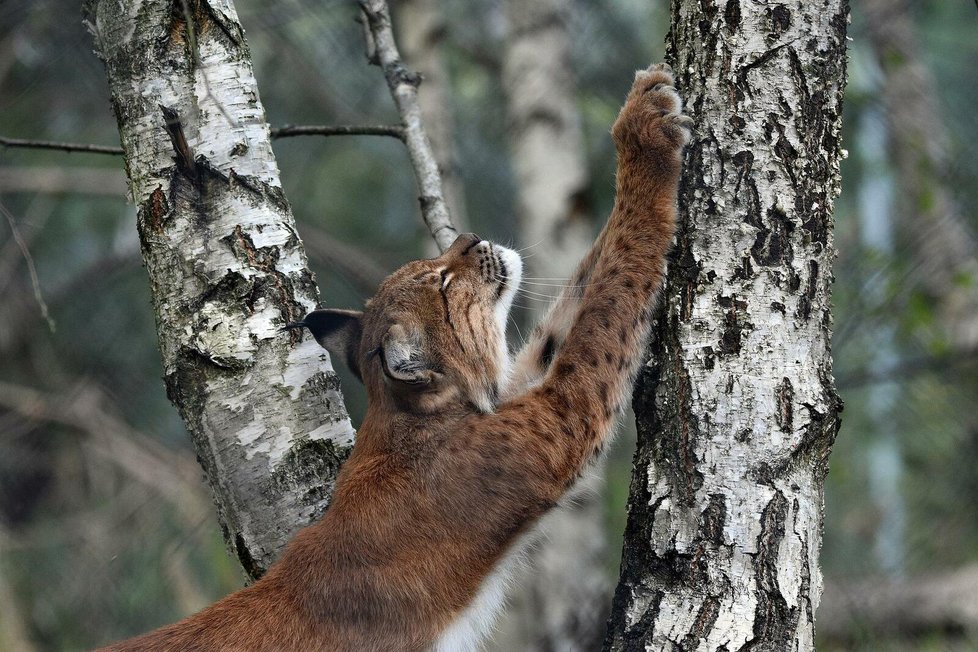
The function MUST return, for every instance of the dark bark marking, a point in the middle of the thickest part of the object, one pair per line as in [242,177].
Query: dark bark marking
[811,290]
[713,519]
[780,20]
[744,271]
[185,157]
[734,324]
[775,623]
[706,618]
[709,358]
[731,15]
[772,246]
[784,395]
[634,638]
[158,210]
[310,463]
[249,563]
[672,429]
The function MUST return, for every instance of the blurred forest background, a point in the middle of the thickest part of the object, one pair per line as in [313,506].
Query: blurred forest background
[106,528]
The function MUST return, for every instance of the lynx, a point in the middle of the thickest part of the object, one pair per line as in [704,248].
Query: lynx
[463,449]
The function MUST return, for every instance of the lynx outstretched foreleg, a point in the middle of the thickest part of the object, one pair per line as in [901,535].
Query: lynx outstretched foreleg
[650,121]
[533,360]
[588,348]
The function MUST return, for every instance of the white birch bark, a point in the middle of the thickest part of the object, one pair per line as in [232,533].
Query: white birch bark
[226,267]
[736,408]
[562,603]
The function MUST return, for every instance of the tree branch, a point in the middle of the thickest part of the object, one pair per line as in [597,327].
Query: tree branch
[422,29]
[65,147]
[403,84]
[288,131]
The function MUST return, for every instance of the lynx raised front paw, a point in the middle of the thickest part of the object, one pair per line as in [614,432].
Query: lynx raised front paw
[652,118]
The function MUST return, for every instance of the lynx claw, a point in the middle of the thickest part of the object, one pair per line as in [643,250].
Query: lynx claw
[652,116]
[685,125]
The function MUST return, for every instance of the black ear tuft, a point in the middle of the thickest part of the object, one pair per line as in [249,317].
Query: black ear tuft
[337,331]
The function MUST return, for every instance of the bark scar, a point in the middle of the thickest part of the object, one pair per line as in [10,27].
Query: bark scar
[185,157]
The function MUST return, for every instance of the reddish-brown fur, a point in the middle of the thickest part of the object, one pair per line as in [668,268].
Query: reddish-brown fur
[444,477]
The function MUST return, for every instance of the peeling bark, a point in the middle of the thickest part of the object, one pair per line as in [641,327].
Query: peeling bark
[552,608]
[226,267]
[736,408]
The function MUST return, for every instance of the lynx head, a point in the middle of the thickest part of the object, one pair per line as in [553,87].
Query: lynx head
[435,333]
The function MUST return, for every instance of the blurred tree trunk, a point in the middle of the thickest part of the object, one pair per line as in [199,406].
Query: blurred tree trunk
[945,249]
[422,36]
[226,267]
[563,601]
[736,408]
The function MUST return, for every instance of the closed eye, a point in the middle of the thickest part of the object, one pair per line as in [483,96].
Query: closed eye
[446,278]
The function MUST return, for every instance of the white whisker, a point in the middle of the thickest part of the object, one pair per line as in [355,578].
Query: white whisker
[536,244]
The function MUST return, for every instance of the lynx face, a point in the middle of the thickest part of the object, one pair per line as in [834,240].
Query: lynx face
[435,333]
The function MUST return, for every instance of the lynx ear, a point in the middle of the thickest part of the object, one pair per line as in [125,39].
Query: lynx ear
[337,331]
[404,358]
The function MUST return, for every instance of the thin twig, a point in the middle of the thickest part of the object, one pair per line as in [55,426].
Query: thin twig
[35,283]
[403,85]
[65,147]
[288,131]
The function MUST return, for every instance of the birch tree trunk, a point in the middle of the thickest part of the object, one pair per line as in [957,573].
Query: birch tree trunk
[736,408]
[226,267]
[563,601]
